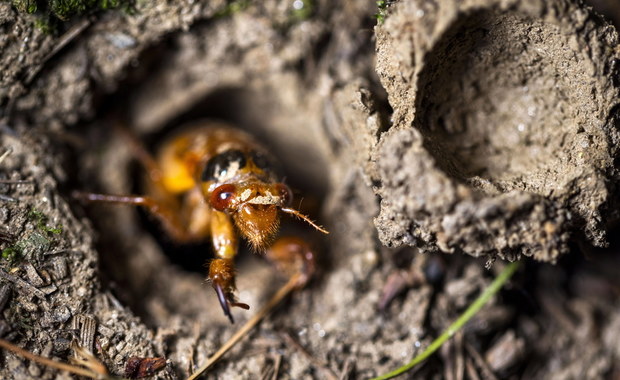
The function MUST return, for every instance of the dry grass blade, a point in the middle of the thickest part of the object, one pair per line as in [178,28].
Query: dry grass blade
[249,325]
[327,373]
[471,310]
[5,154]
[86,359]
[52,363]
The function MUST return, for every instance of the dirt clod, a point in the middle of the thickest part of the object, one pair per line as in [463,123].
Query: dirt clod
[504,135]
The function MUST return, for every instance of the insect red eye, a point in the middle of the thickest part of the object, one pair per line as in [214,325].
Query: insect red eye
[285,193]
[222,197]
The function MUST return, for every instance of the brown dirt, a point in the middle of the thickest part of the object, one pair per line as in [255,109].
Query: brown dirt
[491,129]
[505,128]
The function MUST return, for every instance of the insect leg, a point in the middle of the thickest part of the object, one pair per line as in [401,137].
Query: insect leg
[222,269]
[292,256]
[165,213]
[140,152]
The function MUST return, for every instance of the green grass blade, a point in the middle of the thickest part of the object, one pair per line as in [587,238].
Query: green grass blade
[482,299]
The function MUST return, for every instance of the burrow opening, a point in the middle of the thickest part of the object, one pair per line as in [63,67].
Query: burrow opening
[224,104]
[159,278]
[503,104]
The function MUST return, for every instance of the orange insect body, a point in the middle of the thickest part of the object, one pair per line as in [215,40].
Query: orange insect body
[232,173]
[215,181]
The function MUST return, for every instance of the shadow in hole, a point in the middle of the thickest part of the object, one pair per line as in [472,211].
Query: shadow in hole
[238,107]
[225,104]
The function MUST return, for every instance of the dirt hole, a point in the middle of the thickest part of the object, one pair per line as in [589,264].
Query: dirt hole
[158,278]
[505,116]
[224,104]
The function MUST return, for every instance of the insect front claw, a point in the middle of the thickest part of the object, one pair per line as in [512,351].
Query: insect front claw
[227,300]
[223,301]
[221,276]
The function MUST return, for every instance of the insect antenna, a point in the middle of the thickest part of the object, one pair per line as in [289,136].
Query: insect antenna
[304,218]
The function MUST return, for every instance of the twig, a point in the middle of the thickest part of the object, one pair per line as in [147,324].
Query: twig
[346,370]
[16,182]
[22,284]
[63,41]
[319,363]
[471,369]
[262,313]
[86,359]
[557,313]
[6,154]
[6,198]
[49,362]
[482,299]
[460,361]
[270,372]
[486,371]
[276,367]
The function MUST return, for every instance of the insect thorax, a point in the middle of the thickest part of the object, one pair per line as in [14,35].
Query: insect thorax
[231,163]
